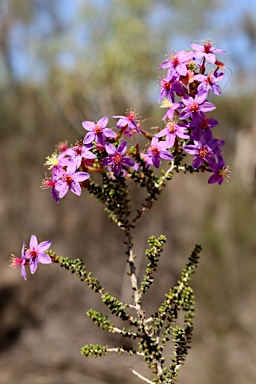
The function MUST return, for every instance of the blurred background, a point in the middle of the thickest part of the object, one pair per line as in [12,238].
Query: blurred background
[63,62]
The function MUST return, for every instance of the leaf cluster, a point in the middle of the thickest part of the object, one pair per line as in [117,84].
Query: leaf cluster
[152,333]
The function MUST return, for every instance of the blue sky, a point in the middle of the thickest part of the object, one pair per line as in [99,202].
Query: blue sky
[223,26]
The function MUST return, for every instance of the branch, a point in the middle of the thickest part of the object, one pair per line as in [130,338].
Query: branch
[141,377]
[122,350]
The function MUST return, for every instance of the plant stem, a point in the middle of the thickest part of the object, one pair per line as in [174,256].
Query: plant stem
[141,377]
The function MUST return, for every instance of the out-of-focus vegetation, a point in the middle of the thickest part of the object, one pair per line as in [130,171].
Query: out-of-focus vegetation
[57,71]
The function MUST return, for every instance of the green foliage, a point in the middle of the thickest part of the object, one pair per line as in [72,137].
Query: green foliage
[151,333]
[153,255]
[77,267]
[94,350]
[99,320]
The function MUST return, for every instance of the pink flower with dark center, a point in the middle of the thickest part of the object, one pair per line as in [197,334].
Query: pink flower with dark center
[157,151]
[201,151]
[173,130]
[196,106]
[178,62]
[77,154]
[36,253]
[70,180]
[207,50]
[97,131]
[128,123]
[169,85]
[117,159]
[208,82]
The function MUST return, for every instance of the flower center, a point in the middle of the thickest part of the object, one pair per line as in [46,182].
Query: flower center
[175,61]
[68,179]
[78,151]
[172,127]
[33,253]
[131,115]
[194,107]
[207,47]
[98,130]
[224,172]
[166,85]
[117,158]
[203,152]
[155,151]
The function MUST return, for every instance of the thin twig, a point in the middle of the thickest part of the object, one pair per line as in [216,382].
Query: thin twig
[141,377]
[142,212]
[122,350]
[164,177]
[121,332]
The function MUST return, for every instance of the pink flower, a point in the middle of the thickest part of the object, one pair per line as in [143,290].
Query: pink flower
[129,123]
[70,181]
[117,158]
[220,172]
[16,261]
[97,131]
[36,253]
[194,107]
[157,151]
[178,62]
[206,50]
[173,130]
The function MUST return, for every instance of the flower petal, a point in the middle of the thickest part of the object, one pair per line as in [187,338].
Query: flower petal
[43,258]
[44,246]
[33,242]
[33,264]
[88,125]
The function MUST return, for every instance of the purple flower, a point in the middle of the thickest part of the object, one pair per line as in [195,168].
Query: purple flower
[178,62]
[36,253]
[169,85]
[173,130]
[16,261]
[206,50]
[70,181]
[220,172]
[97,131]
[77,154]
[57,173]
[117,158]
[208,82]
[194,107]
[157,151]
[202,128]
[215,144]
[202,153]
[128,123]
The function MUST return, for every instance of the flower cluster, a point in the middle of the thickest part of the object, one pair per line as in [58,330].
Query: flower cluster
[185,90]
[98,151]
[32,255]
